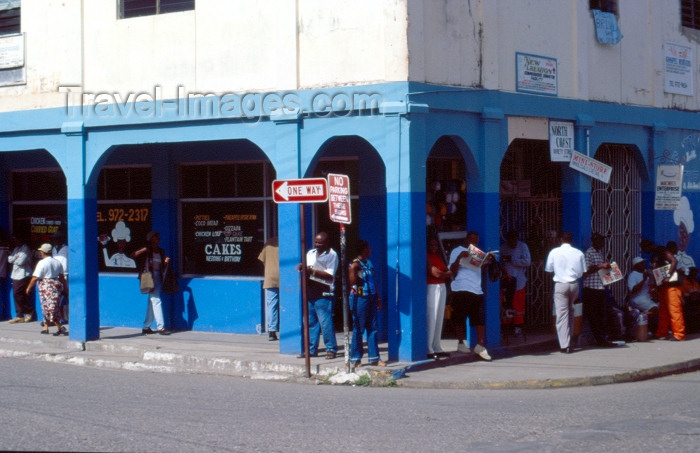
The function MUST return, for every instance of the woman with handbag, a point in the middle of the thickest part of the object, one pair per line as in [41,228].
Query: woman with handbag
[48,276]
[152,262]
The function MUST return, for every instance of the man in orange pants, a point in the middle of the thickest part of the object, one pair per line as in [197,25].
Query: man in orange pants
[670,295]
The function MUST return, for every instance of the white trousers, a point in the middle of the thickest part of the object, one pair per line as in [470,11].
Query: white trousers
[564,296]
[435,314]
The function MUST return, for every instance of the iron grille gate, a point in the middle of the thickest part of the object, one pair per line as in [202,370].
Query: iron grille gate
[616,210]
[531,203]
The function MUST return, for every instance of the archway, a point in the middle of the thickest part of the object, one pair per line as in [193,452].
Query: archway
[212,203]
[616,209]
[35,206]
[531,204]
[359,160]
[446,202]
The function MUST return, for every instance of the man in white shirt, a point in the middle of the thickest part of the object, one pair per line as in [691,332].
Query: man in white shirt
[321,264]
[468,296]
[21,260]
[568,264]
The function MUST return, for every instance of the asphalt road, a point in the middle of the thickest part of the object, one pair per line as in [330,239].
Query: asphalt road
[48,406]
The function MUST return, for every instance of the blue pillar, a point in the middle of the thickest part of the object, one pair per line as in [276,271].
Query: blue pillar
[576,188]
[652,223]
[287,144]
[405,214]
[82,243]
[483,213]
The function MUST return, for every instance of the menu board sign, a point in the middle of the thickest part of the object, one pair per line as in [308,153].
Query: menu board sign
[37,223]
[222,238]
[121,230]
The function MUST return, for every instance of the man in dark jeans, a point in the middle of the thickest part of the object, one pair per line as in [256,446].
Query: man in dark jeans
[21,260]
[321,265]
[594,299]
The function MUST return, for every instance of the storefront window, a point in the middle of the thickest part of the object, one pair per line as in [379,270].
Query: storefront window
[123,215]
[38,204]
[226,213]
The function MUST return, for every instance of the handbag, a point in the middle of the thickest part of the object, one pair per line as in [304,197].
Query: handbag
[170,284]
[147,284]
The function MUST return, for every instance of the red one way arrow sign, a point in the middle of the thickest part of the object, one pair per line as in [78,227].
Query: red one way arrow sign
[308,190]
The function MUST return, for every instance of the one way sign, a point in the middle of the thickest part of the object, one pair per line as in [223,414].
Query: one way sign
[308,190]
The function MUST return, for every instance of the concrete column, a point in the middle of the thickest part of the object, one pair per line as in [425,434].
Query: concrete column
[287,145]
[483,213]
[82,239]
[405,302]
[576,188]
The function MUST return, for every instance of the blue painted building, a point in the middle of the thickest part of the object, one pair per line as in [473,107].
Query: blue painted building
[199,169]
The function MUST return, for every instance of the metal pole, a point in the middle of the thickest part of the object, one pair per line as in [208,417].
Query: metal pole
[304,303]
[346,308]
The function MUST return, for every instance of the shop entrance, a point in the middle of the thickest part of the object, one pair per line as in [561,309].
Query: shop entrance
[446,204]
[616,209]
[356,158]
[531,204]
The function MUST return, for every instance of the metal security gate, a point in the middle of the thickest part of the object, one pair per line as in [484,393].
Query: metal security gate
[531,203]
[616,211]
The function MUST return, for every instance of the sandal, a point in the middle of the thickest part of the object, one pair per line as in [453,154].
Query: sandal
[45,331]
[330,356]
[61,331]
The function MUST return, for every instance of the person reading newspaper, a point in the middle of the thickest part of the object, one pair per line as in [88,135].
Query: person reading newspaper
[466,265]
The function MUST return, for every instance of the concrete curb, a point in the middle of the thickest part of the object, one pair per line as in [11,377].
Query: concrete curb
[619,378]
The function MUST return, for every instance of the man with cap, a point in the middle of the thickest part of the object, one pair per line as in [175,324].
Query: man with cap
[638,283]
[568,264]
[594,292]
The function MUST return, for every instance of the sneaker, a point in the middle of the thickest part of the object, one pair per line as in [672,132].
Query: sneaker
[482,352]
[28,318]
[461,347]
[17,319]
[272,336]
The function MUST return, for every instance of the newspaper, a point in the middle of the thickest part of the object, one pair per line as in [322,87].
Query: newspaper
[476,257]
[319,267]
[612,275]
[660,273]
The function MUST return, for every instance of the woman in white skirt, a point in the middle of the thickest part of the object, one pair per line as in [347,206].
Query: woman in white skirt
[438,274]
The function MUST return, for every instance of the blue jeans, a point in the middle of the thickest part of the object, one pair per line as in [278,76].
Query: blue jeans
[364,318]
[321,319]
[272,312]
[155,309]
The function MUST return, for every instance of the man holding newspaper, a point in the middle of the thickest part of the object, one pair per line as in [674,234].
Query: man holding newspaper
[594,298]
[466,265]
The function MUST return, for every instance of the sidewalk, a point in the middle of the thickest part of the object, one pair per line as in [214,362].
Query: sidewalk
[532,365]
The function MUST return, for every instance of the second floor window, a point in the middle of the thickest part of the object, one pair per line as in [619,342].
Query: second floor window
[607,6]
[690,13]
[136,8]
[9,17]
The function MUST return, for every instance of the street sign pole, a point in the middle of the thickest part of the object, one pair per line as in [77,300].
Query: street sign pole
[340,212]
[346,308]
[304,298]
[307,190]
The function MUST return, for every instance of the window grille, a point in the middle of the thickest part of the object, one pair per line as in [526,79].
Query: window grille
[608,6]
[137,8]
[690,14]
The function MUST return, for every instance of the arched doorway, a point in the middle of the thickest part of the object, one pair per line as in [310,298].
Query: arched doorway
[616,209]
[355,157]
[446,202]
[531,204]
